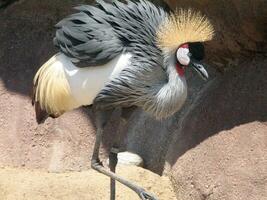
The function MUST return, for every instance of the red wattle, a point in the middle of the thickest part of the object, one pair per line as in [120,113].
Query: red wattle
[180,69]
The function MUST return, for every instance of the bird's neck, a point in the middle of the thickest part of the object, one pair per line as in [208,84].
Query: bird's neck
[172,95]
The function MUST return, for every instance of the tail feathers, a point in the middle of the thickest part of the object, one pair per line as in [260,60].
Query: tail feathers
[40,114]
[51,90]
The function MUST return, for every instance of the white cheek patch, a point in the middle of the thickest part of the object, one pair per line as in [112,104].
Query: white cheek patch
[182,56]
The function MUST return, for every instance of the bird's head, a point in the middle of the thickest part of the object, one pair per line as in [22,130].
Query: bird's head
[191,55]
[181,37]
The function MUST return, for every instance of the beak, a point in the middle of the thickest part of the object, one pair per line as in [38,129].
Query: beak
[199,67]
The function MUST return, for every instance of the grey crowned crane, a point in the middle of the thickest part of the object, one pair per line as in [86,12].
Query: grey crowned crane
[121,55]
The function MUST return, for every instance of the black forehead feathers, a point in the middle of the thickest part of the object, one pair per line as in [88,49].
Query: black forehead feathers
[197,50]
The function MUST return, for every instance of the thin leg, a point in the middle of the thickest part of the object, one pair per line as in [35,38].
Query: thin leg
[113,160]
[113,155]
[101,120]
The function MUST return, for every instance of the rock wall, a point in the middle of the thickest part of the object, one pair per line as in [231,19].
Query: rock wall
[228,165]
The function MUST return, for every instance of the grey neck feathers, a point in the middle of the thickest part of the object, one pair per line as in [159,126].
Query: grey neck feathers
[170,96]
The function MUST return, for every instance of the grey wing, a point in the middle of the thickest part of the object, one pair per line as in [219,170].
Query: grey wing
[87,36]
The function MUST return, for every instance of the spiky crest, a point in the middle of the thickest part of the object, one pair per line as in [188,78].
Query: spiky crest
[181,27]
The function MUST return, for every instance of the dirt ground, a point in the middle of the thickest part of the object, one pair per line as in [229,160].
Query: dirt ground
[17,184]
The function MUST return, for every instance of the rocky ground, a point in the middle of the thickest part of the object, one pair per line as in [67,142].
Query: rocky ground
[229,165]
[17,184]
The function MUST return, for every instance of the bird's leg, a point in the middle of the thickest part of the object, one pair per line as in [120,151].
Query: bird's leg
[101,120]
[113,155]
[113,160]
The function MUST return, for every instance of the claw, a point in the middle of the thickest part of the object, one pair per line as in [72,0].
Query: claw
[147,196]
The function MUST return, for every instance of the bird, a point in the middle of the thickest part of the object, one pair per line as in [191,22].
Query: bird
[120,55]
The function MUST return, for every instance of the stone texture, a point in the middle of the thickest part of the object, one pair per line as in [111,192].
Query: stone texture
[86,185]
[229,165]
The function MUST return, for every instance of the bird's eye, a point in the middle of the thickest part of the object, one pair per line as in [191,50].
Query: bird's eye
[189,54]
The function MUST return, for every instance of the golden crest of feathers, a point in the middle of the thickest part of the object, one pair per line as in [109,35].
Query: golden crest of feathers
[184,26]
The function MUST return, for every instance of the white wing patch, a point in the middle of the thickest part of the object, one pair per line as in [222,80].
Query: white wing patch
[86,83]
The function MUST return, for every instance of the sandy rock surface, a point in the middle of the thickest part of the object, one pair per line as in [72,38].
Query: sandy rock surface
[231,165]
[16,184]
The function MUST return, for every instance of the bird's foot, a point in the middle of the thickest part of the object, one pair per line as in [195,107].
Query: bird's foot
[97,165]
[146,196]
